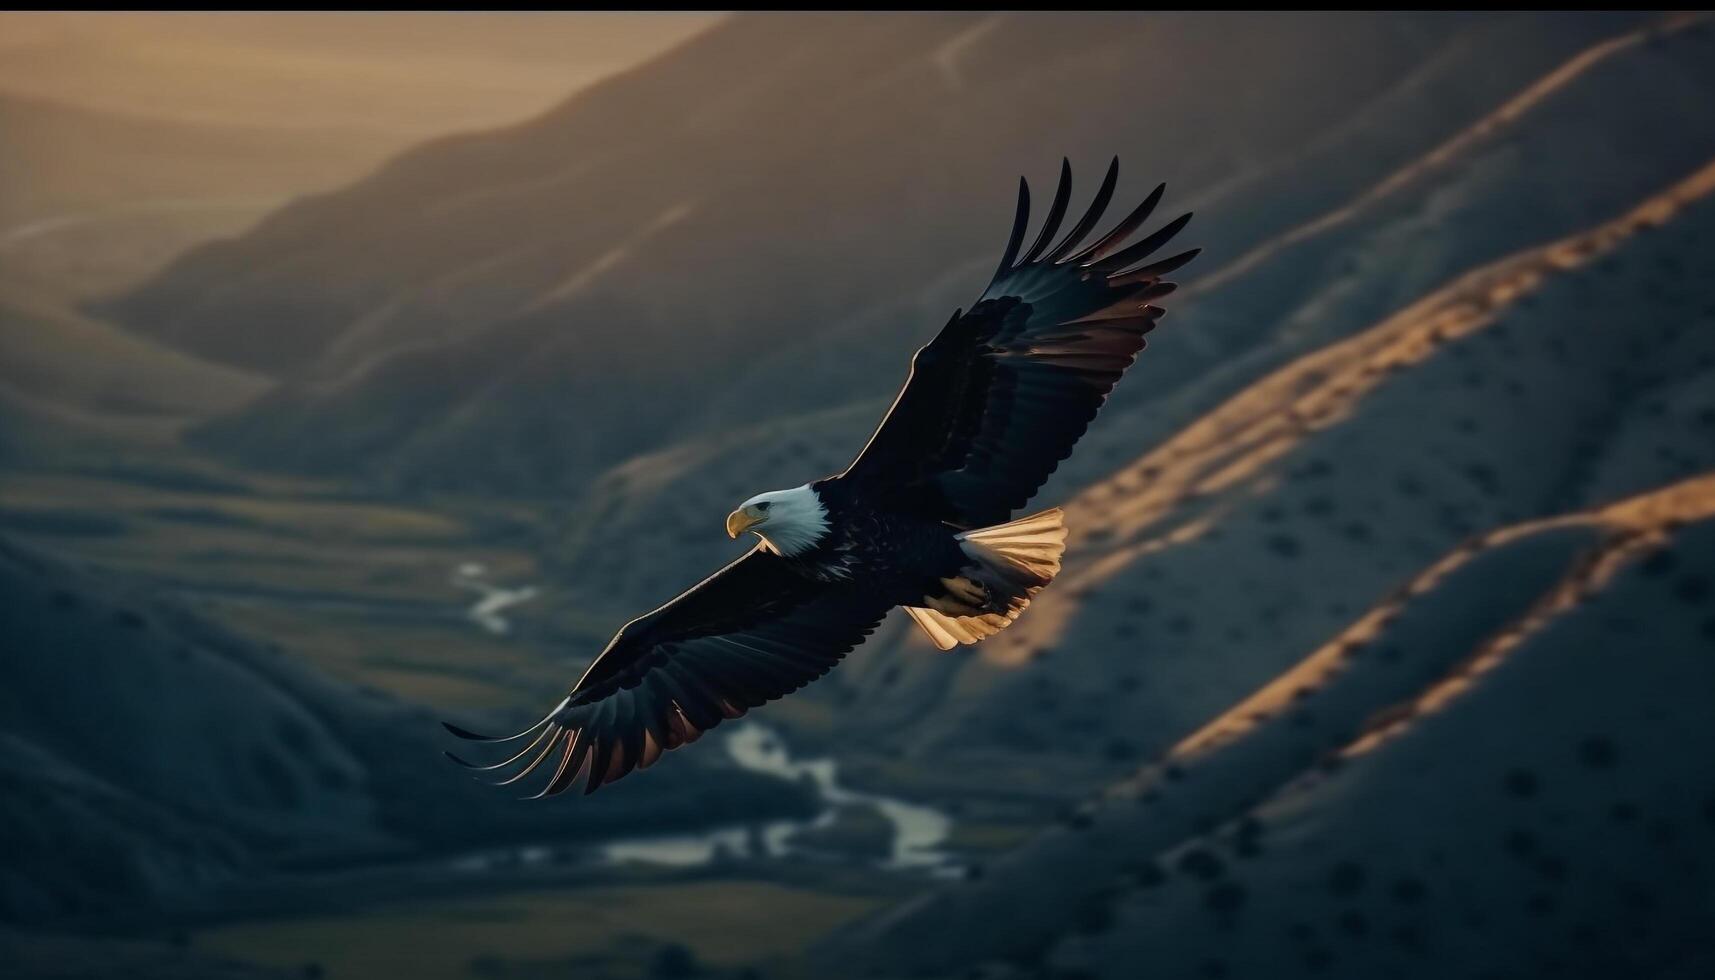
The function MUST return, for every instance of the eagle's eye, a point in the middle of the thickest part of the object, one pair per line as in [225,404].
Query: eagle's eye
[763,506]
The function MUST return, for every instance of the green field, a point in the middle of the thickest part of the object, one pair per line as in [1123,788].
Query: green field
[362,590]
[618,932]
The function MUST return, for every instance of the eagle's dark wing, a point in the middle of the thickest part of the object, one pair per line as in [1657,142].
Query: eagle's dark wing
[997,400]
[752,632]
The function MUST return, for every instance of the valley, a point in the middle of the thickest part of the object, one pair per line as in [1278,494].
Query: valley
[1383,617]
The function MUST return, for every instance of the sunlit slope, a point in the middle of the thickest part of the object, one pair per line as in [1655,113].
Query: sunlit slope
[1456,669]
[1212,562]
[1418,228]
[412,74]
[1496,769]
[97,200]
[1582,142]
[132,137]
[63,161]
[1545,811]
[724,236]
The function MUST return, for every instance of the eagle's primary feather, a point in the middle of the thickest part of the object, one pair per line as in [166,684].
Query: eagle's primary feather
[920,519]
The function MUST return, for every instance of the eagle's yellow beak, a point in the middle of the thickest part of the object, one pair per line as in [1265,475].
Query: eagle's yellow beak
[742,520]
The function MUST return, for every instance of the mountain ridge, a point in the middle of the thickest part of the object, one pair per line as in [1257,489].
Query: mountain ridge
[804,212]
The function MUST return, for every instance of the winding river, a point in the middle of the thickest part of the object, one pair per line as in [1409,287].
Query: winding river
[492,600]
[918,832]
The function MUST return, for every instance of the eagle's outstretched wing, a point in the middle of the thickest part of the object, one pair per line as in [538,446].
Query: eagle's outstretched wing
[997,400]
[752,632]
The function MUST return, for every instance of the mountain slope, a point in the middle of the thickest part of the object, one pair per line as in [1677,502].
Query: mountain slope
[100,199]
[1515,178]
[1308,832]
[152,773]
[1486,403]
[152,759]
[62,358]
[61,158]
[436,315]
[1571,829]
[1518,393]
[413,74]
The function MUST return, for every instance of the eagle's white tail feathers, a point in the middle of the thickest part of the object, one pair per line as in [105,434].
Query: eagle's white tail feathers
[1034,543]
[1012,562]
[943,631]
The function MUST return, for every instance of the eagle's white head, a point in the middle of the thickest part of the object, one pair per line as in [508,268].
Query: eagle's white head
[788,521]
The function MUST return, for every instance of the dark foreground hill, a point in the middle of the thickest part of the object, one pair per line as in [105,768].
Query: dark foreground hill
[152,759]
[1535,800]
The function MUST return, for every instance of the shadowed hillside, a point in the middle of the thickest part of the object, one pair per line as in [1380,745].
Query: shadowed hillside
[72,383]
[154,759]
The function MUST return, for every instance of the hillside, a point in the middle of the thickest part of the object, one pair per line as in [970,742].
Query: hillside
[1528,537]
[156,769]
[131,137]
[413,74]
[75,388]
[1514,179]
[98,199]
[432,318]
[64,160]
[56,357]
[1309,832]
[153,759]
[1503,396]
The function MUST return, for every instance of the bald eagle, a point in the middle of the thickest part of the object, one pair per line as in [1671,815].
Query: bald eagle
[921,519]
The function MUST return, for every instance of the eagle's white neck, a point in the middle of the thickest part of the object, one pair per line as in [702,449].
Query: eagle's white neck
[797,520]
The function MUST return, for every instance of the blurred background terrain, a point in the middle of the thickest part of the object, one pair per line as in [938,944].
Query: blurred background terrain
[358,371]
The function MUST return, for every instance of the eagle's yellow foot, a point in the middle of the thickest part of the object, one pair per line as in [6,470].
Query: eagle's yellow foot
[966,591]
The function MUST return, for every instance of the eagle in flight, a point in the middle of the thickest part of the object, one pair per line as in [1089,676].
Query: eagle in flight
[921,519]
